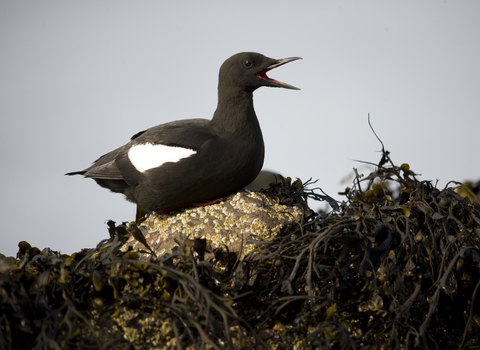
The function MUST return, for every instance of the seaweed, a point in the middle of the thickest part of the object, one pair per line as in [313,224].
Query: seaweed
[396,264]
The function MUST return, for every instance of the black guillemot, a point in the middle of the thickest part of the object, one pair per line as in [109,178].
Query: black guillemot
[195,161]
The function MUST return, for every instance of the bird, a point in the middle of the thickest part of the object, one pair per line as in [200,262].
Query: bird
[195,162]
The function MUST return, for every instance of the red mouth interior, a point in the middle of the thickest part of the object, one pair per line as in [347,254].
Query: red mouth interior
[263,75]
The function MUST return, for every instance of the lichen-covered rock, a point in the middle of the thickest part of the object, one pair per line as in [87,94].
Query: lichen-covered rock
[234,223]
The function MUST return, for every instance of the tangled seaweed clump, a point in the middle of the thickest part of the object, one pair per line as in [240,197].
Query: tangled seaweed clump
[397,265]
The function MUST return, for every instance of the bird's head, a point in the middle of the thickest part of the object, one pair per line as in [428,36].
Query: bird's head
[248,71]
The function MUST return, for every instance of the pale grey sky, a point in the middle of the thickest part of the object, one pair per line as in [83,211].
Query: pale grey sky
[79,78]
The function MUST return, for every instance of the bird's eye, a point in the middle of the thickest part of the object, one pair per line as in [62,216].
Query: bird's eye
[247,64]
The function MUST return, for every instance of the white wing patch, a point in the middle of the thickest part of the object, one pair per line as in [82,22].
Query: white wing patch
[147,156]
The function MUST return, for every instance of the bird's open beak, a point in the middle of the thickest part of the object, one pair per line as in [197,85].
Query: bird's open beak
[275,83]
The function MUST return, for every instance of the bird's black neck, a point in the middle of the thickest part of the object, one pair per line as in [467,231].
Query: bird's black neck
[234,111]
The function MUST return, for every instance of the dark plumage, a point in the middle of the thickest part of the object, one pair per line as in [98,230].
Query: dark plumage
[203,159]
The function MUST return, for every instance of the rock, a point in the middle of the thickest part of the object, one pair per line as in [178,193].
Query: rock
[241,217]
[263,180]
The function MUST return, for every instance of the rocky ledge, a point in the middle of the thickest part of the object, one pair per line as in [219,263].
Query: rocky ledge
[244,217]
